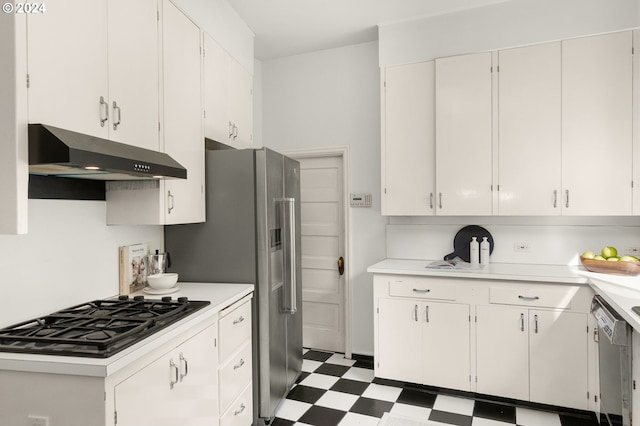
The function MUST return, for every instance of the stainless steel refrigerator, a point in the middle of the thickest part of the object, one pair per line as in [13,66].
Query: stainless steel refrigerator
[252,235]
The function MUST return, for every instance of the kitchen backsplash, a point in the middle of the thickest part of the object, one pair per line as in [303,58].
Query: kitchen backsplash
[68,257]
[554,241]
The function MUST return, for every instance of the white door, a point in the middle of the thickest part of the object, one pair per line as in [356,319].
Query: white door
[597,124]
[530,130]
[502,351]
[400,323]
[463,135]
[322,244]
[558,361]
[408,139]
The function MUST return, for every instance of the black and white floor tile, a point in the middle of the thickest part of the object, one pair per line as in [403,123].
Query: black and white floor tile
[334,391]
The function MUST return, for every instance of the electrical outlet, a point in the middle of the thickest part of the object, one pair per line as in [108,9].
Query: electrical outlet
[521,247]
[38,420]
[632,251]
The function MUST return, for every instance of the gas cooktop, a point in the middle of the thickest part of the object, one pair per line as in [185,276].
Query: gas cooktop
[97,329]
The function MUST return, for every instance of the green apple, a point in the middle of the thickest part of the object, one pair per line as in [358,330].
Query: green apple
[629,259]
[588,255]
[613,259]
[609,251]
[598,257]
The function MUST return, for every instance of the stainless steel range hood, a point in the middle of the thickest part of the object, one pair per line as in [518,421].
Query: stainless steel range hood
[60,152]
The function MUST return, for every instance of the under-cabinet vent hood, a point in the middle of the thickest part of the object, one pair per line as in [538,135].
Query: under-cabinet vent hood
[60,152]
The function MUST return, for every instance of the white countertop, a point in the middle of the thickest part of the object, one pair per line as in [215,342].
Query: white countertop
[621,292]
[220,295]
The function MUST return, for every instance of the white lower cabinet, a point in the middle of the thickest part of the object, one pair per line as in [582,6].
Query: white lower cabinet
[180,388]
[535,355]
[428,342]
[531,341]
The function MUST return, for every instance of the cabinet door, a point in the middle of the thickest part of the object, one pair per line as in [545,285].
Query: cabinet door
[597,124]
[399,354]
[463,135]
[134,98]
[445,345]
[529,130]
[558,358]
[502,351]
[183,139]
[408,139]
[192,400]
[217,123]
[636,125]
[67,65]
[241,102]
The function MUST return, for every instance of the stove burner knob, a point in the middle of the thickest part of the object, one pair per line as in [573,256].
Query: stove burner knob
[123,297]
[138,298]
[166,298]
[183,299]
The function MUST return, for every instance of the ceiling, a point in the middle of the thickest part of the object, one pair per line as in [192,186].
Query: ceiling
[290,27]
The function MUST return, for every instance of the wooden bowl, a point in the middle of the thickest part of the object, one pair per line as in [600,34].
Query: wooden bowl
[608,267]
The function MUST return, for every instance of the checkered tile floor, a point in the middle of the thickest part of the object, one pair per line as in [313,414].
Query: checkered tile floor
[334,391]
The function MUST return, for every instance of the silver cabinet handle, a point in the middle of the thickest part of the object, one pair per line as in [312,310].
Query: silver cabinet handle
[235,132]
[419,290]
[566,193]
[555,198]
[521,322]
[288,223]
[170,201]
[535,322]
[529,298]
[440,199]
[118,121]
[239,364]
[104,111]
[239,320]
[231,125]
[239,410]
[174,367]
[426,313]
[431,200]
[415,313]
[183,361]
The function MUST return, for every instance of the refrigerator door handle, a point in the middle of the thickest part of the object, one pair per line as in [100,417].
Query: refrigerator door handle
[288,223]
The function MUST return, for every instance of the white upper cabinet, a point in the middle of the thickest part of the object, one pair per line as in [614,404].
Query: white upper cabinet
[68,67]
[183,131]
[171,201]
[408,139]
[93,68]
[529,130]
[463,135]
[228,97]
[597,125]
[636,125]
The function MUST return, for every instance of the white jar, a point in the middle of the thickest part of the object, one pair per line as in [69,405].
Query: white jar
[474,251]
[484,251]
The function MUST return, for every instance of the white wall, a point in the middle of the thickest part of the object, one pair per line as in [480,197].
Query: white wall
[507,24]
[69,256]
[331,98]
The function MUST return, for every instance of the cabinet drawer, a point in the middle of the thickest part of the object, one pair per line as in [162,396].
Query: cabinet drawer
[235,328]
[424,289]
[240,413]
[234,376]
[549,297]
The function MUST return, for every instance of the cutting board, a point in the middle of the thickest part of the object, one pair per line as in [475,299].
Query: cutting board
[463,238]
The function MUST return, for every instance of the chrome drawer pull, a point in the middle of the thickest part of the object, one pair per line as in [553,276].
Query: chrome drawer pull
[173,366]
[528,297]
[242,407]
[239,320]
[184,361]
[521,322]
[418,290]
[415,313]
[239,364]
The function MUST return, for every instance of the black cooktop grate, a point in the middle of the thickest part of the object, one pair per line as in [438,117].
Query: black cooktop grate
[98,329]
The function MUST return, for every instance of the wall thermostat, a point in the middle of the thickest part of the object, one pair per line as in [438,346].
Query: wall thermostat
[360,200]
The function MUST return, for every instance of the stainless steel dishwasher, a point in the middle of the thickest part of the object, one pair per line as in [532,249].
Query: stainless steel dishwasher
[614,347]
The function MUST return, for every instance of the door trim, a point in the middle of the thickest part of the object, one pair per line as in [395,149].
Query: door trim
[343,153]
